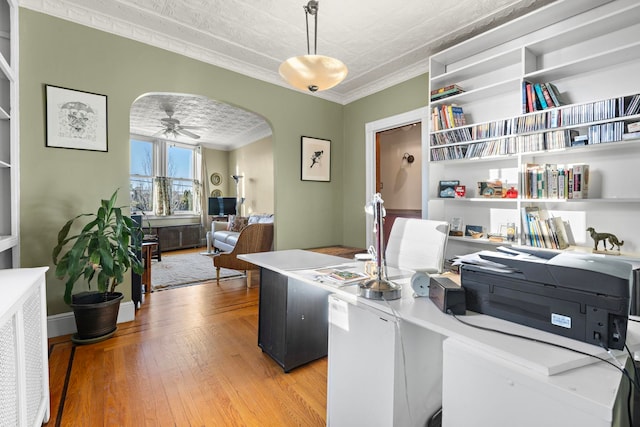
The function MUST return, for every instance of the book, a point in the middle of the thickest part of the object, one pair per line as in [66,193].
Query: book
[554,94]
[532,215]
[445,92]
[446,89]
[531,105]
[526,229]
[341,276]
[580,181]
[560,231]
[458,116]
[540,96]
[552,181]
[547,96]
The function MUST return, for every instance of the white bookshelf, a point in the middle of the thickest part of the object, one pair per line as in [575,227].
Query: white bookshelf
[9,135]
[591,52]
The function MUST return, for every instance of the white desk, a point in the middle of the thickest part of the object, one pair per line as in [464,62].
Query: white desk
[593,387]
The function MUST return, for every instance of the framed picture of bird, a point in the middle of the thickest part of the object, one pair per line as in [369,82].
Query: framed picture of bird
[315,159]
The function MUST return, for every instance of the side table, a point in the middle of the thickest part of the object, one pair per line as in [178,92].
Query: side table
[147,250]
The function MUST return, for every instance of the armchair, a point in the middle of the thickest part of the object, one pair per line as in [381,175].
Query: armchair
[253,238]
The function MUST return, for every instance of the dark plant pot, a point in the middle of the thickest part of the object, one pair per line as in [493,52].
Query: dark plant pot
[96,314]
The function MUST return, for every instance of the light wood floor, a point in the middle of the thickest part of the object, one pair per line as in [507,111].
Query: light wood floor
[190,358]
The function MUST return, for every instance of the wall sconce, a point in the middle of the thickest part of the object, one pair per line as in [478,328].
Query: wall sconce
[409,158]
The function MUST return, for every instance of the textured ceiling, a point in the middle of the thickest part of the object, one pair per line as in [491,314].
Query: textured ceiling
[218,125]
[382,42]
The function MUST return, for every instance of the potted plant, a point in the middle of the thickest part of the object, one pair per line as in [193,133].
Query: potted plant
[104,250]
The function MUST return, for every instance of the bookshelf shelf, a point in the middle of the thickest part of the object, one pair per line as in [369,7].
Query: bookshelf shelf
[7,242]
[9,135]
[480,93]
[475,69]
[621,54]
[597,26]
[592,56]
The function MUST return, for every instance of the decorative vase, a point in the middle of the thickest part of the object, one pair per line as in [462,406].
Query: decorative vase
[96,315]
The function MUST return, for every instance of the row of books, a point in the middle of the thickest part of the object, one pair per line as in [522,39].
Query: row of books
[542,231]
[539,96]
[445,92]
[565,116]
[592,111]
[447,117]
[553,181]
[606,132]
[511,145]
[499,128]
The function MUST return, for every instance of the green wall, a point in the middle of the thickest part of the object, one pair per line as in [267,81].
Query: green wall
[398,99]
[57,184]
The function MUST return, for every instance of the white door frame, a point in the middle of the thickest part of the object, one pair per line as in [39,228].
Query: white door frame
[371,129]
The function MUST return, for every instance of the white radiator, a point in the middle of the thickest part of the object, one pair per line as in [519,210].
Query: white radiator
[24,370]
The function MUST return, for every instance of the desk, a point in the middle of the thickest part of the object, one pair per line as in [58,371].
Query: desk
[147,249]
[591,391]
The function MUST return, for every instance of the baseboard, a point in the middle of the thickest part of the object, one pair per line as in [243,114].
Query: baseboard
[65,324]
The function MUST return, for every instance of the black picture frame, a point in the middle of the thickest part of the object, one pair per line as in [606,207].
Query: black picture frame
[315,159]
[76,119]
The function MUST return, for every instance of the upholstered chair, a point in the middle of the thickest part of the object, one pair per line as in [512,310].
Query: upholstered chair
[253,238]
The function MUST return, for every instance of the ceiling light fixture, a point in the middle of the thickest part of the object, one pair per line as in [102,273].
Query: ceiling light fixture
[313,72]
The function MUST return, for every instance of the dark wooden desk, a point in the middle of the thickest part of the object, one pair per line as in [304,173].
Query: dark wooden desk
[147,249]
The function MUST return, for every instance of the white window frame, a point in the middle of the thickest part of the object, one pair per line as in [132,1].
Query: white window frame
[160,167]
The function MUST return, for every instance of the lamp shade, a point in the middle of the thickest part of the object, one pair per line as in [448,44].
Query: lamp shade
[313,72]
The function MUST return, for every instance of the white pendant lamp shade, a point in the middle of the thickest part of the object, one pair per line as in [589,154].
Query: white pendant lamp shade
[313,72]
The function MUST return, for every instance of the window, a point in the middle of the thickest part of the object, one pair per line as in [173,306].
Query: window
[154,158]
[141,179]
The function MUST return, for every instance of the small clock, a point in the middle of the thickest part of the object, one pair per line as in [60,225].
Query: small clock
[420,284]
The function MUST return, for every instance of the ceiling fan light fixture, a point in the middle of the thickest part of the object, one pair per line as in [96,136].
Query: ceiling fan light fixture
[313,72]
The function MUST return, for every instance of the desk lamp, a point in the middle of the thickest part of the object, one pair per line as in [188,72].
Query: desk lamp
[378,288]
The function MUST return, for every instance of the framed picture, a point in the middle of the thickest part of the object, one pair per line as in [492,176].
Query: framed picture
[316,159]
[446,189]
[473,230]
[76,119]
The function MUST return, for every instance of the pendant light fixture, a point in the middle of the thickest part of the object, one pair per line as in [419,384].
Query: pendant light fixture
[313,72]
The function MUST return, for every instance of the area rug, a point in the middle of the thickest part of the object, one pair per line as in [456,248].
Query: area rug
[185,269]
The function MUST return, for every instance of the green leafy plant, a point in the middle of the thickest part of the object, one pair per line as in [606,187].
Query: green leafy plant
[105,249]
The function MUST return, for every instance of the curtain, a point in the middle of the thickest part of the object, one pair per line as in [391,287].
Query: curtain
[162,187]
[201,200]
[197,196]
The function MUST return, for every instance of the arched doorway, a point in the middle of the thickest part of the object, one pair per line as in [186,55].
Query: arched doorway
[228,140]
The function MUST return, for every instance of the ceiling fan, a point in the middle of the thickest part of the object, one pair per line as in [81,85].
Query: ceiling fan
[172,128]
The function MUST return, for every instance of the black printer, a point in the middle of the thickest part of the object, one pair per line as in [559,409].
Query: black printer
[580,296]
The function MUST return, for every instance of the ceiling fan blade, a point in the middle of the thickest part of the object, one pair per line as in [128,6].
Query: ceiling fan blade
[192,127]
[187,133]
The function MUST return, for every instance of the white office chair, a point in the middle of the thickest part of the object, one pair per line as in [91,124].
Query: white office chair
[417,245]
